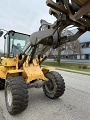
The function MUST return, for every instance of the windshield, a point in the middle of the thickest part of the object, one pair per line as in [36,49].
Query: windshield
[17,43]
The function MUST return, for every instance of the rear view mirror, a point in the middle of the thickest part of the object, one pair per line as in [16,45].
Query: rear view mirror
[1,33]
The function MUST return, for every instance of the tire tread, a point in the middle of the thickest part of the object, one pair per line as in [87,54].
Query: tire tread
[59,81]
[19,93]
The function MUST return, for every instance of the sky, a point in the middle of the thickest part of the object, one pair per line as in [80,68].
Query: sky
[23,16]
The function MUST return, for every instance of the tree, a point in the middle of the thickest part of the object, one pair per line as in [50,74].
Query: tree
[73,46]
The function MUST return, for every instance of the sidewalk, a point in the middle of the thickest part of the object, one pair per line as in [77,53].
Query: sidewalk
[69,70]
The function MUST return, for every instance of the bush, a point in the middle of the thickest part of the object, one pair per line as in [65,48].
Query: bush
[83,66]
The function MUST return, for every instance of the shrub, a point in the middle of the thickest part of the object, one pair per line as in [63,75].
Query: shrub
[83,66]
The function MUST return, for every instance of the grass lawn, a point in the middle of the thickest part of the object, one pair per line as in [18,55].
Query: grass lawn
[72,66]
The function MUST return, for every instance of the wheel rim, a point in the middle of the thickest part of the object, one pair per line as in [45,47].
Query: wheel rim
[49,86]
[9,96]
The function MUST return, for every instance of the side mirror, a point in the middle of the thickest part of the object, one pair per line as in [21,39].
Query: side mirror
[1,33]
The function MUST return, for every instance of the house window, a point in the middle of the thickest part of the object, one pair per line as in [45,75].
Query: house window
[87,56]
[88,44]
[85,45]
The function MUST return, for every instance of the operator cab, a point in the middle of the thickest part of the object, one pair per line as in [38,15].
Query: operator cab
[14,43]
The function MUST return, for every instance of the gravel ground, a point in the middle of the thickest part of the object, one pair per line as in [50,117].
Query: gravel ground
[1,114]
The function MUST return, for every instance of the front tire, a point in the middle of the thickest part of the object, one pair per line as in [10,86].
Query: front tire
[55,86]
[16,95]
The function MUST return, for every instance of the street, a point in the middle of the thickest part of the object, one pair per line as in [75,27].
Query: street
[73,105]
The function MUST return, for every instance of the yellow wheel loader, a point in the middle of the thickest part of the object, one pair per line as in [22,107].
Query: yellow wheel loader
[19,71]
[20,67]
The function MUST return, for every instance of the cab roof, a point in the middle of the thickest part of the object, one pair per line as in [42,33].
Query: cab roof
[12,31]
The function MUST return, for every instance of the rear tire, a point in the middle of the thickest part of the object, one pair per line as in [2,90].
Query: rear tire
[55,86]
[2,84]
[16,95]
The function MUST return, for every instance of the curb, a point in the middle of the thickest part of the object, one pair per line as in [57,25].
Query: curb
[84,73]
[68,70]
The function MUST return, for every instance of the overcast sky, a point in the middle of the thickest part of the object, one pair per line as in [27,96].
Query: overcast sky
[23,15]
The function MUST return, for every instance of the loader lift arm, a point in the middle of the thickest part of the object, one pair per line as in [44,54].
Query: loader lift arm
[76,13]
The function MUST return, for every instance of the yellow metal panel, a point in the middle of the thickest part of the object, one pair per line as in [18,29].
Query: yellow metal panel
[46,69]
[15,71]
[33,72]
[9,61]
[3,72]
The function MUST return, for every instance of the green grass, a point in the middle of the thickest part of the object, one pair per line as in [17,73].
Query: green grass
[71,66]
